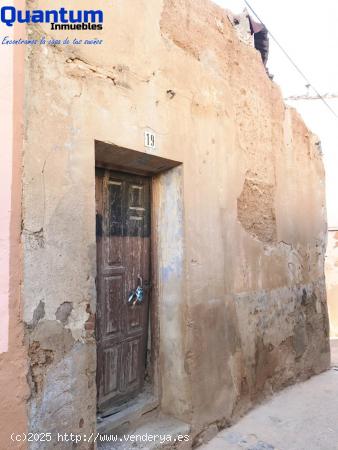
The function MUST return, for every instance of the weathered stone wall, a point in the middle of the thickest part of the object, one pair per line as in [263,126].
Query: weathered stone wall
[253,307]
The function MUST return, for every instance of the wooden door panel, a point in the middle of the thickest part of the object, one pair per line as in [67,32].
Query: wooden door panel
[112,305]
[112,357]
[112,205]
[131,352]
[123,253]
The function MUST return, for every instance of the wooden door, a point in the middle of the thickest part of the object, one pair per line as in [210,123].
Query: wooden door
[123,254]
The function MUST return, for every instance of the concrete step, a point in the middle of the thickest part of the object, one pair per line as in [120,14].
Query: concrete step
[163,432]
[133,414]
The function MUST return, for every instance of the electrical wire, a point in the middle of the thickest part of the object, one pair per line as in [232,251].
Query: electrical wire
[292,61]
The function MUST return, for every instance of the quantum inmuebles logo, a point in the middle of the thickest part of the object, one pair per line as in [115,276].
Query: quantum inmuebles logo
[60,19]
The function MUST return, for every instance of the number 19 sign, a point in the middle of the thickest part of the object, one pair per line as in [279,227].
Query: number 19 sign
[149,140]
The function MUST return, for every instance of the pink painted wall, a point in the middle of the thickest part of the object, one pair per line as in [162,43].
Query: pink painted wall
[13,353]
[6,149]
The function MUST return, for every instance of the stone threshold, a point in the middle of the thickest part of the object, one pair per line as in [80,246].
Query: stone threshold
[161,432]
[129,415]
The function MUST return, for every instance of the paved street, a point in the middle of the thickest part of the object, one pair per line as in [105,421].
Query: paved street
[302,417]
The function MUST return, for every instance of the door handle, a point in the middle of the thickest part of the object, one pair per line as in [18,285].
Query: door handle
[136,297]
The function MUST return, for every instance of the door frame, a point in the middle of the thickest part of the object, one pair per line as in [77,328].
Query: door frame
[168,375]
[125,334]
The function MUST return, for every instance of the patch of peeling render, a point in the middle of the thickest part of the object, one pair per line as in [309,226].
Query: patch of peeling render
[241,24]
[256,210]
[59,365]
[73,317]
[295,254]
[276,315]
[80,321]
[281,329]
[50,341]
[40,359]
[63,312]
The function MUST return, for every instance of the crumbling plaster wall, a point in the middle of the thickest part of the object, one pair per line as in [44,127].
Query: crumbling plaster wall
[254,315]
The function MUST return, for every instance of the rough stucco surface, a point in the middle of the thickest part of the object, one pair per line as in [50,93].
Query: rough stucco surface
[252,269]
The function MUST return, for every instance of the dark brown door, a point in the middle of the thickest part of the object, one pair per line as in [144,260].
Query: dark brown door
[123,255]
